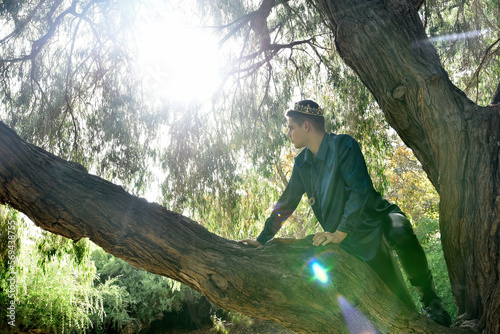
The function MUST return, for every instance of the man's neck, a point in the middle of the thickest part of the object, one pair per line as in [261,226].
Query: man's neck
[315,142]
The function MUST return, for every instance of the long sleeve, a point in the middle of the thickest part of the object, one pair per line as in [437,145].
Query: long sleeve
[357,182]
[285,206]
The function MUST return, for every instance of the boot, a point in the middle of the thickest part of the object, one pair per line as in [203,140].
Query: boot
[432,304]
[435,311]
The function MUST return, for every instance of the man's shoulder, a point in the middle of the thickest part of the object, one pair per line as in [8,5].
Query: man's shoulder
[336,140]
[339,137]
[340,146]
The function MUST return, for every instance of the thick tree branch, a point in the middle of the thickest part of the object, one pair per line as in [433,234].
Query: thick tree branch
[256,19]
[258,24]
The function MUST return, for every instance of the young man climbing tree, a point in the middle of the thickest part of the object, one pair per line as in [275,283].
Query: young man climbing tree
[332,171]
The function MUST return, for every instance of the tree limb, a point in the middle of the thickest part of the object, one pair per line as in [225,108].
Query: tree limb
[274,50]
[38,44]
[487,56]
[23,24]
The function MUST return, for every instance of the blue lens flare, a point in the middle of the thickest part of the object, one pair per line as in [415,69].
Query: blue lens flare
[320,273]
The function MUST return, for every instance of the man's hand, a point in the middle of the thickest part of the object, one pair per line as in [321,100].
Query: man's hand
[325,238]
[251,242]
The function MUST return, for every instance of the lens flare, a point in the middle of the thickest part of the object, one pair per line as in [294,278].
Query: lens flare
[320,273]
[464,35]
[356,322]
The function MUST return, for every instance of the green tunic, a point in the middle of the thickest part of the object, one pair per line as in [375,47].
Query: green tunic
[344,197]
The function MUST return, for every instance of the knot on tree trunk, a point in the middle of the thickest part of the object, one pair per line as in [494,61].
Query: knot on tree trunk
[399,92]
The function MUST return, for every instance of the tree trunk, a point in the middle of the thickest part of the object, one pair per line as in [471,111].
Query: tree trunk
[456,141]
[274,282]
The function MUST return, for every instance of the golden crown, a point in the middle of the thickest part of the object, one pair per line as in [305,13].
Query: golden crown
[308,110]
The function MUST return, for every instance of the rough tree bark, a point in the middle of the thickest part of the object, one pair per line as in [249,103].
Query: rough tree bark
[457,141]
[273,282]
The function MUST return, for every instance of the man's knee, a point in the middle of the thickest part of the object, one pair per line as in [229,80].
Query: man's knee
[398,230]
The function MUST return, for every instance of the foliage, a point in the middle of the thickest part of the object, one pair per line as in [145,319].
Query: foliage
[236,321]
[65,85]
[256,198]
[61,307]
[11,228]
[143,296]
[115,303]
[53,291]
[199,163]
[51,246]
[409,186]
[11,231]
[63,286]
[466,37]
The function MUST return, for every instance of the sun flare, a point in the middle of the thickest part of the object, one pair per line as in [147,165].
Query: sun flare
[177,60]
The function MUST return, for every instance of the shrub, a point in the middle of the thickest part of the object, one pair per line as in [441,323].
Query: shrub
[147,295]
[54,277]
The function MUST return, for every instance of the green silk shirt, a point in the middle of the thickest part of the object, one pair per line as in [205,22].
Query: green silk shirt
[344,197]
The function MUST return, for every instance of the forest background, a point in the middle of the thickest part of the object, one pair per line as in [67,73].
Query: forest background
[83,92]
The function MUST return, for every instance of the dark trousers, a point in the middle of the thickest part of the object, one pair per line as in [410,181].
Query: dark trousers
[398,232]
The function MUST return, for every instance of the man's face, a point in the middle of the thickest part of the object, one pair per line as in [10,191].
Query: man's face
[297,134]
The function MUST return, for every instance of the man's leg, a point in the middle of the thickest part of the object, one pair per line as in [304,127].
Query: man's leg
[399,232]
[388,270]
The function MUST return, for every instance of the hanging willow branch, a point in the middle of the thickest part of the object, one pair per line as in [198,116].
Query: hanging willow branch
[486,58]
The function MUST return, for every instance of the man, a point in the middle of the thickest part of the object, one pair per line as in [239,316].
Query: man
[332,171]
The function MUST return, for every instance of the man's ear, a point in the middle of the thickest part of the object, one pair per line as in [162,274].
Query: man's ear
[307,126]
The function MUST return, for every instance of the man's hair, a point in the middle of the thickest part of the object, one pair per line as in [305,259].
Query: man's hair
[317,121]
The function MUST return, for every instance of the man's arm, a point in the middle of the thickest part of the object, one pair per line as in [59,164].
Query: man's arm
[358,183]
[285,206]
